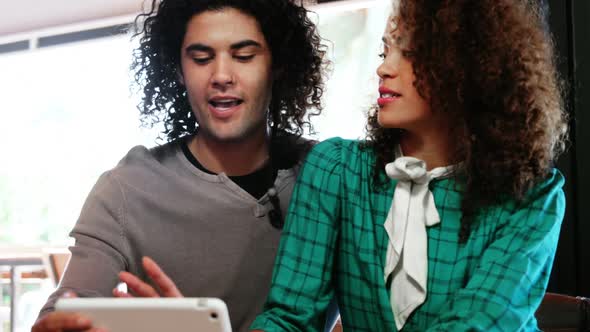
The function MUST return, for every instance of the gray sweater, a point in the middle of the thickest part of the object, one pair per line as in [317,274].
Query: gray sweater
[209,235]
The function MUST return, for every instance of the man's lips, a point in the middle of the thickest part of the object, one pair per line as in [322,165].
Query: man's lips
[224,106]
[387,96]
[225,101]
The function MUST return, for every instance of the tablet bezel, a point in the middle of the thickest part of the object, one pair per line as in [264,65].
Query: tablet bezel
[151,314]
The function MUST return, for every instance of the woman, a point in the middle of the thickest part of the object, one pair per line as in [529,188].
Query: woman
[448,216]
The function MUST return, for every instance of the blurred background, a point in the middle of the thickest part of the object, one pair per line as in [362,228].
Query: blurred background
[68,115]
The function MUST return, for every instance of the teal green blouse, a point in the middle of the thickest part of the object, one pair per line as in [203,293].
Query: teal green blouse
[334,244]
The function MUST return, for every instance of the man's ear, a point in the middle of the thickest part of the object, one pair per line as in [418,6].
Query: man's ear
[179,75]
[277,74]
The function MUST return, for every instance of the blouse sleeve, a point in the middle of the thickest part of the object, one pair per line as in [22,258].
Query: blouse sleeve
[301,285]
[510,279]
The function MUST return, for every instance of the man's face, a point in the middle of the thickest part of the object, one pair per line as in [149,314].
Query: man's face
[226,69]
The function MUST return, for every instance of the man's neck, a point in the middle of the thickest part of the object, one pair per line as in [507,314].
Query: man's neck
[231,158]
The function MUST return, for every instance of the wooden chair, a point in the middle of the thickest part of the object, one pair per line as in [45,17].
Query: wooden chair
[55,263]
[563,313]
[338,326]
[557,313]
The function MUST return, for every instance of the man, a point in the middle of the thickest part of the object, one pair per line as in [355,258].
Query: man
[232,82]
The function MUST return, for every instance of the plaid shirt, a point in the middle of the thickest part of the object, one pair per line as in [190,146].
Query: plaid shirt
[334,244]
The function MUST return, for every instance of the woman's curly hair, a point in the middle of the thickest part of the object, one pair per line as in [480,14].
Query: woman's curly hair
[489,66]
[297,59]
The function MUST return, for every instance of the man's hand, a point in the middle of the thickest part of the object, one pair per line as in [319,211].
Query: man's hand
[64,321]
[142,289]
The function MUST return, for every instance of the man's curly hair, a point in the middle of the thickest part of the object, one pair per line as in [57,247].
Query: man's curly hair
[489,66]
[297,59]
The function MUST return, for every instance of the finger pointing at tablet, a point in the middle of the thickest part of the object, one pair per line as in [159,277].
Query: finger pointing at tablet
[142,289]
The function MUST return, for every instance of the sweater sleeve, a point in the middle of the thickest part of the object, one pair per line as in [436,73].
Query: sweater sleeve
[510,279]
[301,284]
[101,249]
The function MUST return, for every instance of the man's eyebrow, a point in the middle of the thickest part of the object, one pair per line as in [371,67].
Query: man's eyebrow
[245,43]
[198,47]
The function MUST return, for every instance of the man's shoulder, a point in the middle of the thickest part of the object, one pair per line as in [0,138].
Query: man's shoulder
[142,159]
[289,150]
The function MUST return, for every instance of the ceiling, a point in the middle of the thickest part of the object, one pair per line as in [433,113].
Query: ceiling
[26,16]
[24,19]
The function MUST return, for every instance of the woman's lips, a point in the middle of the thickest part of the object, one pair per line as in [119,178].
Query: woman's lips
[387,96]
[382,101]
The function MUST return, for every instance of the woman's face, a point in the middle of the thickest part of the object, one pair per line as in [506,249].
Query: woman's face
[400,104]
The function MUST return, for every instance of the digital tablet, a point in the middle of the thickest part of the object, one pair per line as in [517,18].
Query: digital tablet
[152,314]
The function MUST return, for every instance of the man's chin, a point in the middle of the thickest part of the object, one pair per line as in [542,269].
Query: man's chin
[234,137]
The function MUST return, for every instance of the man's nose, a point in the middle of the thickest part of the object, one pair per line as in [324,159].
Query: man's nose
[222,72]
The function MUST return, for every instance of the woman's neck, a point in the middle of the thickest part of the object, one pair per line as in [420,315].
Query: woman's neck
[433,147]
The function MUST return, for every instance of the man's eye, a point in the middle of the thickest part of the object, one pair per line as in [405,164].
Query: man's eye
[244,57]
[201,61]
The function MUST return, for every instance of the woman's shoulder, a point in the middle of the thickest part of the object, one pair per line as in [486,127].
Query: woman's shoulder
[550,185]
[547,196]
[342,149]
[540,210]
[351,159]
